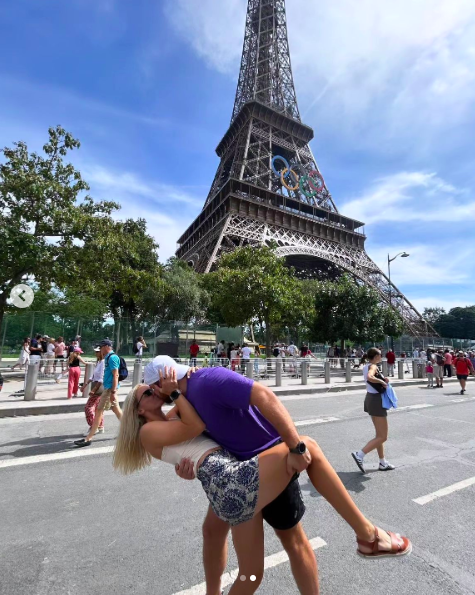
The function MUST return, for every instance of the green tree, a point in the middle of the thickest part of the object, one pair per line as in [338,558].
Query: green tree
[348,310]
[432,315]
[41,215]
[459,323]
[254,285]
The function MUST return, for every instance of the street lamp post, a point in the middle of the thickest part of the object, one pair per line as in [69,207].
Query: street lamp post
[402,255]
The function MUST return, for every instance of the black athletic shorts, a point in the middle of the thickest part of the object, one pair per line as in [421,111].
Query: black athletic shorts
[287,510]
[462,377]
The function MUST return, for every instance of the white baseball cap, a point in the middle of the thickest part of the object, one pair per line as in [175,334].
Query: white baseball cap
[151,373]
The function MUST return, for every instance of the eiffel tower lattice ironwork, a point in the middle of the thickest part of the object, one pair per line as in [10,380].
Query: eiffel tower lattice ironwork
[268,188]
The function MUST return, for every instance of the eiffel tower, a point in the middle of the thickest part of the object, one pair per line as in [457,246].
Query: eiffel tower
[268,189]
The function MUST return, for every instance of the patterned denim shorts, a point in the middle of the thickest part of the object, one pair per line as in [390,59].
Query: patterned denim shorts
[232,486]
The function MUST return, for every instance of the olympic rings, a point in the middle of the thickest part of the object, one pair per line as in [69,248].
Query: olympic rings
[283,175]
[313,179]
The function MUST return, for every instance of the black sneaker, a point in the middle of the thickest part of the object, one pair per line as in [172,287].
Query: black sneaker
[358,461]
[82,442]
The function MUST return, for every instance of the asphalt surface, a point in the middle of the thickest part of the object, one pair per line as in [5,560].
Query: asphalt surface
[72,525]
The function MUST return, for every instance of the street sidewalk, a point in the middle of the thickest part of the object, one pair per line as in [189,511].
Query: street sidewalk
[51,398]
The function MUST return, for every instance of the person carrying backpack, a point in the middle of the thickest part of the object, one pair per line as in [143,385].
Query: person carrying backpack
[115,370]
[439,363]
[463,367]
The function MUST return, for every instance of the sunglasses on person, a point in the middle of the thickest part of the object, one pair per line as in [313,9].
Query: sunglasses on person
[148,392]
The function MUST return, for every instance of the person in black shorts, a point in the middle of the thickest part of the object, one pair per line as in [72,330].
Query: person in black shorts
[373,405]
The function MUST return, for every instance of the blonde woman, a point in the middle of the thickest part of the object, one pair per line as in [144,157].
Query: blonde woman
[237,490]
[74,362]
[50,348]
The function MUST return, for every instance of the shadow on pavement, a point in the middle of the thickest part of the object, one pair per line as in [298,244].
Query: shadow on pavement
[353,481]
[48,445]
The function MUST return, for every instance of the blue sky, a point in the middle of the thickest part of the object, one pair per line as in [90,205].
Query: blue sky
[148,87]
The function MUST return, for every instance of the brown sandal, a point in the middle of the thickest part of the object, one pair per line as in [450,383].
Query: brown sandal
[400,546]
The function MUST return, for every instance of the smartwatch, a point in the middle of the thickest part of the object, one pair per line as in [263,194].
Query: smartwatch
[174,395]
[300,449]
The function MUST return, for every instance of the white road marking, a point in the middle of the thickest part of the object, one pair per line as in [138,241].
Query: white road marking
[445,491]
[269,562]
[318,420]
[409,407]
[72,454]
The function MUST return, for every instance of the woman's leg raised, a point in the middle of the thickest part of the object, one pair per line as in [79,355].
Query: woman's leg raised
[248,539]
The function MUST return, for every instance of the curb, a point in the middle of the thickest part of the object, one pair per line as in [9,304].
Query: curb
[46,408]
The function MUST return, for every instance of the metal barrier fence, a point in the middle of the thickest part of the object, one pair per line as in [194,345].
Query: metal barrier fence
[45,372]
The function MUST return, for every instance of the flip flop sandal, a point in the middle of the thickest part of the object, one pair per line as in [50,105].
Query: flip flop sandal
[400,546]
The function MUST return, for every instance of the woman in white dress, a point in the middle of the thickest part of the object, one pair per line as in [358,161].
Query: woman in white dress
[50,349]
[24,358]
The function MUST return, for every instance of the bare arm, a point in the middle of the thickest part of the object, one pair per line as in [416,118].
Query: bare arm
[373,369]
[272,409]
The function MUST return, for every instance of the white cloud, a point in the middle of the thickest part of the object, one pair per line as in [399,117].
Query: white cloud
[410,197]
[423,266]
[168,210]
[409,65]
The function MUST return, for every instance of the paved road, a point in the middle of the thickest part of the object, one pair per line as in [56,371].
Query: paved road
[72,526]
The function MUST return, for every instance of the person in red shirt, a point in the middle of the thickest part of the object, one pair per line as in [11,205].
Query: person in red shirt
[391,359]
[194,350]
[464,367]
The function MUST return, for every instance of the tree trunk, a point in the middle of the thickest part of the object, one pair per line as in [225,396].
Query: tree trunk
[268,338]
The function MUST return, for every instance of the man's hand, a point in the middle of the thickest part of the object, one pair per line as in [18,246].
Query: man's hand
[168,382]
[298,463]
[185,469]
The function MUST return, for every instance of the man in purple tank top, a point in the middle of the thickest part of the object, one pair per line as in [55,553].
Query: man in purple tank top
[246,418]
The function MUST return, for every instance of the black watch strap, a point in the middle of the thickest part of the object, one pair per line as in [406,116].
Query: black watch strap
[300,449]
[175,394]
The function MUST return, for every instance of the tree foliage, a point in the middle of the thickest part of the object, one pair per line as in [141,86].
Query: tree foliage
[253,284]
[459,323]
[347,310]
[432,315]
[41,216]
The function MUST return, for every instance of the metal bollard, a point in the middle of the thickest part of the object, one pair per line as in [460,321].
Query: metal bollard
[304,365]
[250,369]
[415,371]
[278,372]
[31,381]
[327,372]
[348,371]
[400,370]
[88,372]
[422,370]
[137,376]
[384,365]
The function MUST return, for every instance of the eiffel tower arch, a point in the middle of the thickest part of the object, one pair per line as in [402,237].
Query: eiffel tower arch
[268,189]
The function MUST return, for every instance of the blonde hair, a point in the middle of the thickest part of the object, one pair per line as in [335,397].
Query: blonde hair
[129,454]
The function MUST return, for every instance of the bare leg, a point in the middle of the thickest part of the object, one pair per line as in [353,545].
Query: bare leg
[248,541]
[215,551]
[97,422]
[117,410]
[381,427]
[302,559]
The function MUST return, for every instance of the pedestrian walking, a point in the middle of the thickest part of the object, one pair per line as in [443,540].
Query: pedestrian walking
[463,367]
[246,356]
[430,375]
[235,351]
[24,358]
[257,357]
[50,356]
[35,350]
[439,363]
[95,393]
[194,350]
[391,359]
[139,346]
[448,364]
[373,405]
[108,399]
[59,352]
[74,362]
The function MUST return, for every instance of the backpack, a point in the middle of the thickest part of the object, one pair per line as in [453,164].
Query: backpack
[134,348]
[440,359]
[123,371]
[276,352]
